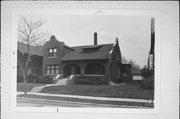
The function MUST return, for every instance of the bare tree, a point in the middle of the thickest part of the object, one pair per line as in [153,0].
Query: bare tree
[30,32]
[124,60]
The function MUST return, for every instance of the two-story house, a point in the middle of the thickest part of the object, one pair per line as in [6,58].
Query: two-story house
[98,60]
[92,61]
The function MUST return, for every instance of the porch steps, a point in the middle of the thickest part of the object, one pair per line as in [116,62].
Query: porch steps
[62,81]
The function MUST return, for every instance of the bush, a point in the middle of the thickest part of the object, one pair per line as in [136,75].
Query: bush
[45,79]
[90,80]
[127,80]
[148,83]
[40,79]
[32,78]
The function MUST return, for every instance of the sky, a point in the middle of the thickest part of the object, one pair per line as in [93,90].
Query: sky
[133,32]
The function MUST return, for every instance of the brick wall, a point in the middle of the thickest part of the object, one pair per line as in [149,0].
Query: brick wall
[61,51]
[115,61]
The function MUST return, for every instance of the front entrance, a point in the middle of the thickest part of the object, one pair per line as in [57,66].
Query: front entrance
[71,69]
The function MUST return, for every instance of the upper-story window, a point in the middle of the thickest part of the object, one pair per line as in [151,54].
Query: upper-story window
[52,52]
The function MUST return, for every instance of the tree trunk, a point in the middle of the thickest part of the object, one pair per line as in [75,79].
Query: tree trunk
[24,80]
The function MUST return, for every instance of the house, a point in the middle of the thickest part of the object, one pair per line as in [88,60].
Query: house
[97,60]
[36,59]
[136,74]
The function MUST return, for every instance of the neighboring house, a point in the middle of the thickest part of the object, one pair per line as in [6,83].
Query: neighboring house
[136,74]
[35,62]
[99,60]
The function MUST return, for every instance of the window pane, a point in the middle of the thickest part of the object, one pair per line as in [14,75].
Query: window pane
[48,71]
[50,50]
[55,50]
[57,71]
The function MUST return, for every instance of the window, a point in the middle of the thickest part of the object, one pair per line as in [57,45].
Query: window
[91,49]
[48,69]
[52,69]
[57,69]
[52,52]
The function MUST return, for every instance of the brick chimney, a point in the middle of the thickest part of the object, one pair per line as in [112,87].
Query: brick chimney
[95,38]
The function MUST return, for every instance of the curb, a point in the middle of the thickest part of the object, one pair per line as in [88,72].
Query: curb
[89,97]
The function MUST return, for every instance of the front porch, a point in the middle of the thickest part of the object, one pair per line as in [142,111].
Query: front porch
[87,70]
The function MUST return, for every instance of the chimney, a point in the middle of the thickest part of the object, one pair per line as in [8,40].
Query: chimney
[152,35]
[95,38]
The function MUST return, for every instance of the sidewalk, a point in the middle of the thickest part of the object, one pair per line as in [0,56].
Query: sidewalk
[87,97]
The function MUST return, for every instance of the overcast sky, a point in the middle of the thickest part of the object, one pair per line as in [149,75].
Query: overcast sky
[133,32]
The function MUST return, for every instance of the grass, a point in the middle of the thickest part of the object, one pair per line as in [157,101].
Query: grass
[122,91]
[21,86]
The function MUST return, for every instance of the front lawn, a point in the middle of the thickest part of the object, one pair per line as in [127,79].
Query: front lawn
[122,91]
[21,86]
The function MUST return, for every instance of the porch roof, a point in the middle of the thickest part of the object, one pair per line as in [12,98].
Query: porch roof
[97,52]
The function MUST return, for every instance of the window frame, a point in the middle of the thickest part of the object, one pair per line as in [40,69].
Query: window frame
[52,69]
[52,52]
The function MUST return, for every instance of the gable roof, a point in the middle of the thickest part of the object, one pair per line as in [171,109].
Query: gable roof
[99,52]
[34,50]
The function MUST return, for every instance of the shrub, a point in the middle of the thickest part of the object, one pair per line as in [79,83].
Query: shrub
[32,78]
[148,83]
[45,79]
[40,79]
[90,80]
[127,80]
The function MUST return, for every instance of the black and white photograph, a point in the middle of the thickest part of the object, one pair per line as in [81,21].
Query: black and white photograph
[85,61]
[89,59]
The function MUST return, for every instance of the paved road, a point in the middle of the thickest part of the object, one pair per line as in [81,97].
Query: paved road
[33,102]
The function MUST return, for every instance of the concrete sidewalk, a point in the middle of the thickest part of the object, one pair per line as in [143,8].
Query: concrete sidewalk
[34,102]
[87,97]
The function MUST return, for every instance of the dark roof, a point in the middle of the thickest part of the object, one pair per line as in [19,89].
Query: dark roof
[34,50]
[79,53]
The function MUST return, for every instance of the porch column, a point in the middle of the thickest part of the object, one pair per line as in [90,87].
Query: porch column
[82,69]
[61,66]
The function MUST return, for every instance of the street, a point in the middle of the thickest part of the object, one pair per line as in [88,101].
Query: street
[33,102]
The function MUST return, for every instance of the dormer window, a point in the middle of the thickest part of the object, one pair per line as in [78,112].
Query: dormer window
[90,49]
[52,52]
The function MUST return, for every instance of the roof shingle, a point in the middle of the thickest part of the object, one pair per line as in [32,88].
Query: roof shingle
[100,53]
